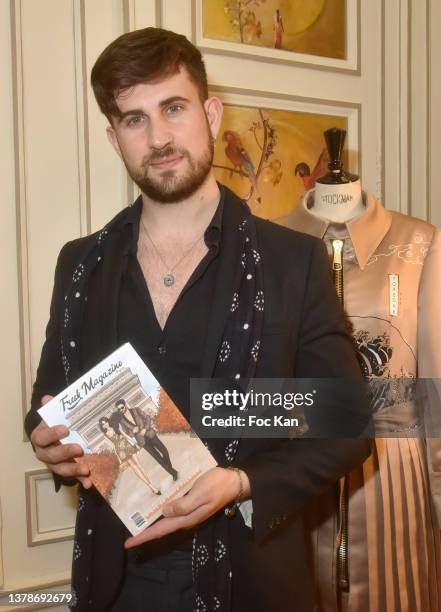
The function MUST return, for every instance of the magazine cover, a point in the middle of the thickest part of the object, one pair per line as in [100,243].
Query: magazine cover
[139,447]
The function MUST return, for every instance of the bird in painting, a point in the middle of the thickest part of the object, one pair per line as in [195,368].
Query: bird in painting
[309,178]
[238,156]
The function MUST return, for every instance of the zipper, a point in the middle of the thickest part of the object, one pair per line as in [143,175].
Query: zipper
[337,267]
[342,538]
[343,519]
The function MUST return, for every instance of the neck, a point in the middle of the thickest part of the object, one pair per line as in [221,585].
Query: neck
[338,203]
[179,220]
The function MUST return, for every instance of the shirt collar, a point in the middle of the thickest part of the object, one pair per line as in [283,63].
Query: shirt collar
[366,231]
[212,234]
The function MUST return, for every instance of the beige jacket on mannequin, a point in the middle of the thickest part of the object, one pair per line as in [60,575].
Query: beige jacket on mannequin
[392,296]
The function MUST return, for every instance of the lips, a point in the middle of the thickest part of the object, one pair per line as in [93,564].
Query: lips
[166,162]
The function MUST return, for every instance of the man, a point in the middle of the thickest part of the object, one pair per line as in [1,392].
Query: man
[201,288]
[137,424]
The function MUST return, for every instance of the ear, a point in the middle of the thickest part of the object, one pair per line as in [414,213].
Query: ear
[111,136]
[214,110]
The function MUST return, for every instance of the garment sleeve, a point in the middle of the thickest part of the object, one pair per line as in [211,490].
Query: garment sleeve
[429,361]
[285,478]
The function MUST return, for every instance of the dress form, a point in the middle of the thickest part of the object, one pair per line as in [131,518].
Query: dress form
[388,267]
[337,194]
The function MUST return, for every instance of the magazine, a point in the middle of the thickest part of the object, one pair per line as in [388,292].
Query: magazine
[140,449]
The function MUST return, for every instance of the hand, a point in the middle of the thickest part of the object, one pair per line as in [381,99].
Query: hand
[58,457]
[212,491]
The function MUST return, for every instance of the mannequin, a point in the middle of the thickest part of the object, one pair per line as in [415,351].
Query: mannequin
[338,194]
[387,273]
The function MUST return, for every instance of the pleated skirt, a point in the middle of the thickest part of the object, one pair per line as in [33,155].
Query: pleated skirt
[394,540]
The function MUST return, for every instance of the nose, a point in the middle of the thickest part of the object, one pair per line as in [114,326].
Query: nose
[159,132]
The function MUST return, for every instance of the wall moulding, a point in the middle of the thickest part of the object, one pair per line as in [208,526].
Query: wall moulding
[141,14]
[21,208]
[36,535]
[1,547]
[82,116]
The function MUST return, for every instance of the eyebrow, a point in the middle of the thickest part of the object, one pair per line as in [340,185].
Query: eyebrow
[162,104]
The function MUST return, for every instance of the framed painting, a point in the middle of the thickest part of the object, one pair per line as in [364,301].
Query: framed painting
[270,151]
[320,33]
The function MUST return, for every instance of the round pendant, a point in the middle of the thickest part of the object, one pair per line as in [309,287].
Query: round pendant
[169,279]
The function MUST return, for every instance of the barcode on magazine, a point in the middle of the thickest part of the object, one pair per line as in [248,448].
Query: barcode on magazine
[138,519]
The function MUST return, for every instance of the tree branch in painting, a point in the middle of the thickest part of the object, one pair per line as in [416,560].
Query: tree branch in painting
[244,19]
[265,136]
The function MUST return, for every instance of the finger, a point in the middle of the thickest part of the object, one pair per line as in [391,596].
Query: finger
[58,453]
[69,469]
[183,506]
[43,435]
[166,526]
[158,530]
[46,398]
[84,478]
[86,482]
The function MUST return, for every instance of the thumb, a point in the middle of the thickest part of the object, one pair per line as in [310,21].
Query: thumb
[46,398]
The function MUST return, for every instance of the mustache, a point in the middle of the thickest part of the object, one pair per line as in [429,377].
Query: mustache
[167,151]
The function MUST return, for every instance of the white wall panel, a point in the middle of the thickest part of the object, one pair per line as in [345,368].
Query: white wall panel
[104,21]
[396,104]
[368,89]
[36,218]
[145,14]
[50,517]
[418,144]
[10,330]
[49,147]
[176,16]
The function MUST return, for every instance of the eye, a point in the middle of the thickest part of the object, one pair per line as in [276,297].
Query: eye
[135,120]
[175,108]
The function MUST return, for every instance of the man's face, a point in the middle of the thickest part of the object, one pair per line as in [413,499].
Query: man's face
[121,407]
[165,136]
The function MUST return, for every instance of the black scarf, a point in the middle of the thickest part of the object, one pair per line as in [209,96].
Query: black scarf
[236,359]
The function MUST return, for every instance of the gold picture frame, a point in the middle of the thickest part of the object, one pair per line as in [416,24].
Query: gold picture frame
[252,32]
[269,149]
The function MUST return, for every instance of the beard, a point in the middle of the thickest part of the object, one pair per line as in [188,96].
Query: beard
[169,187]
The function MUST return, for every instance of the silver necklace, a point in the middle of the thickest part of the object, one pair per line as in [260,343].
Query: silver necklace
[168,278]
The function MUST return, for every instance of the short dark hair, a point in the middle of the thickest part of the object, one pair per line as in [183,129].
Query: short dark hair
[120,402]
[142,56]
[101,421]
